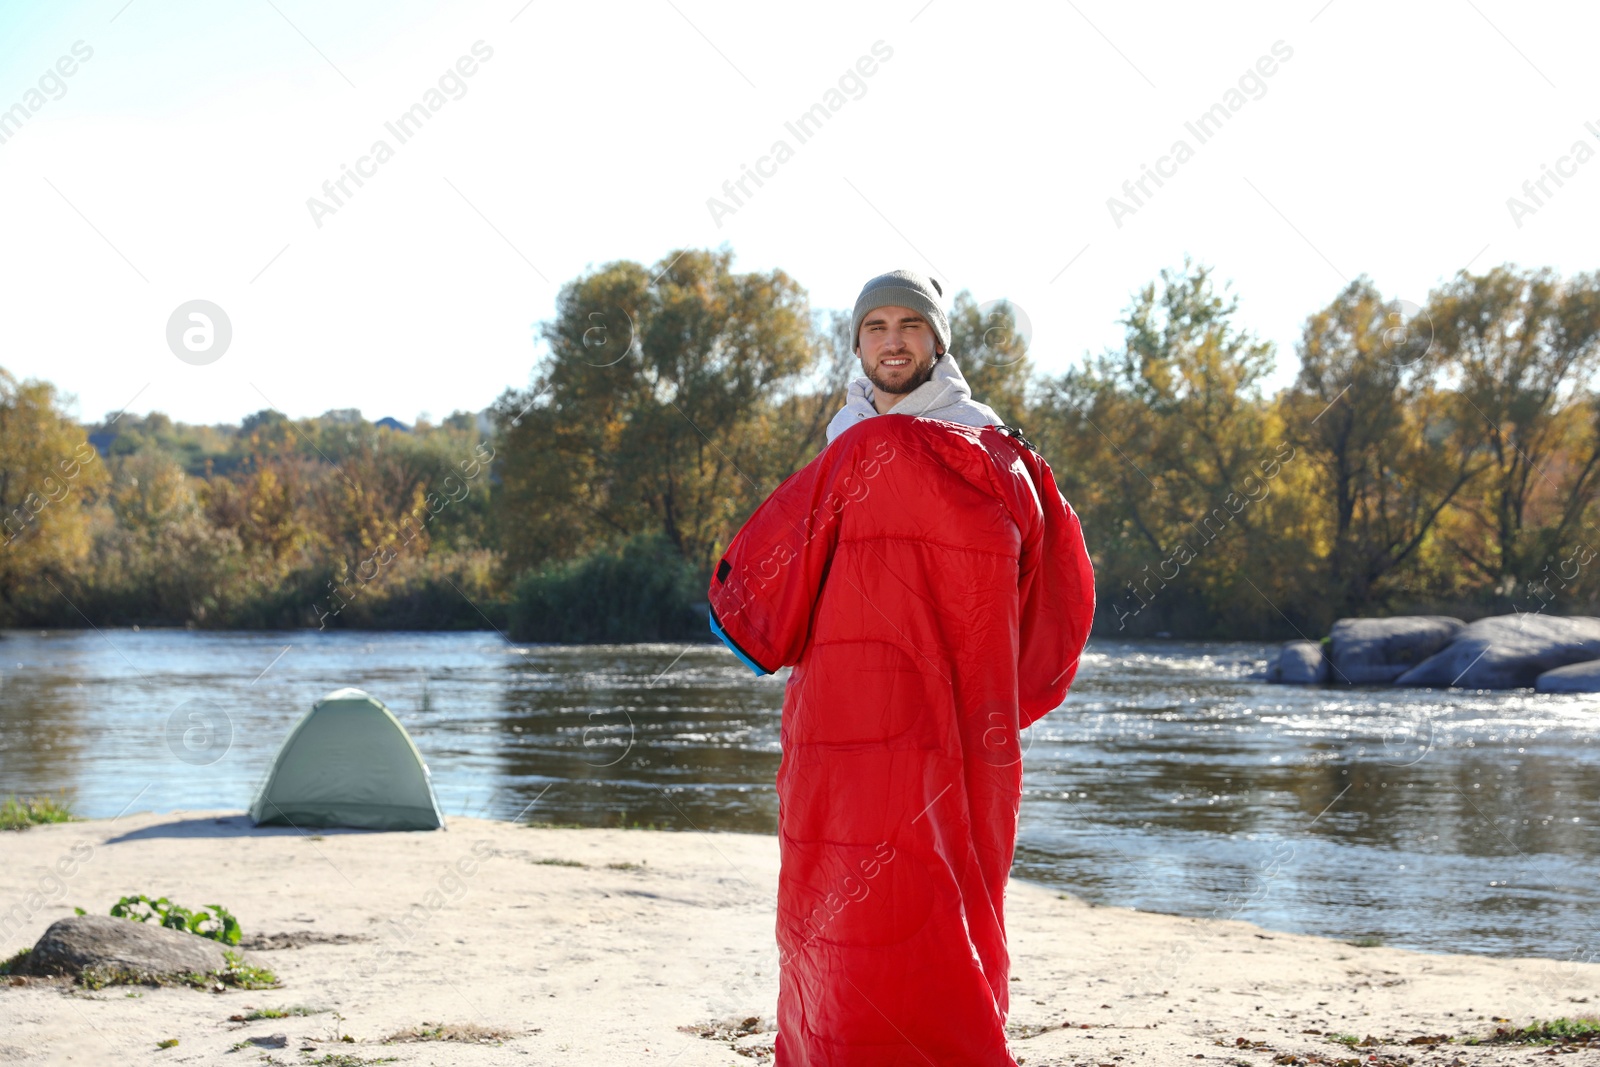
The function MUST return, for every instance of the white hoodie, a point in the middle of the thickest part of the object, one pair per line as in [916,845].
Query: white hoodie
[945,396]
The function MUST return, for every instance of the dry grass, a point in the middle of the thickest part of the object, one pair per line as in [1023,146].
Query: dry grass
[468,1033]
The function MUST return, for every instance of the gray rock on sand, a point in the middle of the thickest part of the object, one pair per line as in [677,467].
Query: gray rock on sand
[1573,678]
[83,942]
[1508,652]
[1377,651]
[1299,663]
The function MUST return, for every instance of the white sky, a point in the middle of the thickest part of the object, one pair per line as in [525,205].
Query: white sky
[178,164]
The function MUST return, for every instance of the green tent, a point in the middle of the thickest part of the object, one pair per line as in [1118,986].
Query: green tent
[348,762]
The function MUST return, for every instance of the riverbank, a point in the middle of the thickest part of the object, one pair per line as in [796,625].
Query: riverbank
[626,946]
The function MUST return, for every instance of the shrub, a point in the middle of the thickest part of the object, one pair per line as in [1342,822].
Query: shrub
[19,813]
[640,590]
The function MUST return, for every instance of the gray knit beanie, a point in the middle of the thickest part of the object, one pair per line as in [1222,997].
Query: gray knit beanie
[904,288]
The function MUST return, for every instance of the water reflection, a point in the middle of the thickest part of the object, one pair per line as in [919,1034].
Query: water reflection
[648,735]
[1451,821]
[1170,780]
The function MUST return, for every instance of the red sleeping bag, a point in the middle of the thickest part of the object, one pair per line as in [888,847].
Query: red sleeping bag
[930,587]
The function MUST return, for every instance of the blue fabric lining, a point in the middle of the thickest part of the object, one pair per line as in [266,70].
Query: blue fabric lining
[735,649]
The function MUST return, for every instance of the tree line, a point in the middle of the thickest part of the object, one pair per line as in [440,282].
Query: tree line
[1433,458]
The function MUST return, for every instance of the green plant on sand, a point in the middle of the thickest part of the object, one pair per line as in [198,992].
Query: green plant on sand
[275,1013]
[218,923]
[1584,1030]
[19,813]
[235,972]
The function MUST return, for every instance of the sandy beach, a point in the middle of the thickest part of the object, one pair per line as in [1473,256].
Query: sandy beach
[563,946]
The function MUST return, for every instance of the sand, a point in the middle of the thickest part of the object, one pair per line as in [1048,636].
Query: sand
[622,947]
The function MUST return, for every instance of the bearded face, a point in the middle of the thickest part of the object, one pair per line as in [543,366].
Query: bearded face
[898,349]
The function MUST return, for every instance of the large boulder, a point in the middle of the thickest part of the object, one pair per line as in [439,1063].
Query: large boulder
[1508,652]
[1377,651]
[110,945]
[1299,663]
[1573,678]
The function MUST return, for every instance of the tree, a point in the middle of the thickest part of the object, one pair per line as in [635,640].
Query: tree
[1521,344]
[49,473]
[991,346]
[654,410]
[160,560]
[1183,463]
[1366,412]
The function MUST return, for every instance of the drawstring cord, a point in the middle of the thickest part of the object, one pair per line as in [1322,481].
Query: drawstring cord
[1015,433]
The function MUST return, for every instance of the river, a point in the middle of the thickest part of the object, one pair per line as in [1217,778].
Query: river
[1170,780]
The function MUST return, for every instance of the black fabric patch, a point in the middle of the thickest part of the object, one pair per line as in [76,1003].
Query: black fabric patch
[722,571]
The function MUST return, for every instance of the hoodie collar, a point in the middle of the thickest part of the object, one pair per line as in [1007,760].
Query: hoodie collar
[944,396]
[947,386]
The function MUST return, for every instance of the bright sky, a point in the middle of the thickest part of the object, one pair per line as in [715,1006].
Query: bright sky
[176,161]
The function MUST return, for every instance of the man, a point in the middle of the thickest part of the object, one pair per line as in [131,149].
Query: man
[930,587]
[901,334]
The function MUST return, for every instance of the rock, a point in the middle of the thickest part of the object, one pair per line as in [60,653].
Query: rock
[1299,663]
[1508,652]
[1574,678]
[72,945]
[1377,651]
